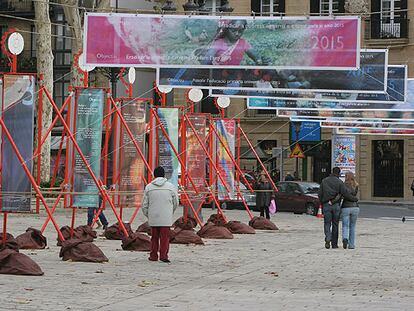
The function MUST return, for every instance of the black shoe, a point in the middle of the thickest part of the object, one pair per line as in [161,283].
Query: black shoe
[334,246]
[345,243]
[327,244]
[165,260]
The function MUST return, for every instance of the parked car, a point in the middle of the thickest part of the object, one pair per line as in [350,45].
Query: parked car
[236,201]
[298,197]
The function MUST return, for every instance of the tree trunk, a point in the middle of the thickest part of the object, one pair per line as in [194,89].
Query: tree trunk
[44,68]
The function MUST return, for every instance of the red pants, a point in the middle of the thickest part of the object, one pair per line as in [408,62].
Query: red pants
[160,240]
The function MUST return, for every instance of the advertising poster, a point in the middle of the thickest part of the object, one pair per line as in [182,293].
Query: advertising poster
[18,116]
[196,157]
[305,131]
[89,115]
[132,167]
[217,42]
[343,153]
[371,77]
[394,112]
[368,124]
[226,129]
[166,156]
[395,93]
[360,131]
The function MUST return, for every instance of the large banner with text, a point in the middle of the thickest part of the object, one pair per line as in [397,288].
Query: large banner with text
[88,129]
[166,156]
[226,130]
[132,168]
[371,77]
[18,116]
[213,41]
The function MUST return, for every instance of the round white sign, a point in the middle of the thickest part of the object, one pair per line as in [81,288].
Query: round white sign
[15,43]
[223,102]
[83,66]
[195,95]
[164,90]
[131,75]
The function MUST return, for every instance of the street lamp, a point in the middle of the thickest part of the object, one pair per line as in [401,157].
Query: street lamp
[297,126]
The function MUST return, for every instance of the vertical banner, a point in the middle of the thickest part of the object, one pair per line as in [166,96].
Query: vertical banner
[343,153]
[89,116]
[196,157]
[18,116]
[166,156]
[132,168]
[226,129]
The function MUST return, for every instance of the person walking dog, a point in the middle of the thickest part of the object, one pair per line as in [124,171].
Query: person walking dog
[158,205]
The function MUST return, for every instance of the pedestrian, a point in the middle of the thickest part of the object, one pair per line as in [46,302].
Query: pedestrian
[92,212]
[158,205]
[289,177]
[330,193]
[349,212]
[264,194]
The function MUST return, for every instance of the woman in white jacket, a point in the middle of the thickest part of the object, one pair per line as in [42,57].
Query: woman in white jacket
[158,205]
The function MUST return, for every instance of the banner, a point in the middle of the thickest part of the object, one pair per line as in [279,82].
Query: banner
[343,153]
[18,116]
[304,131]
[196,157]
[166,156]
[89,115]
[132,167]
[367,124]
[346,114]
[226,130]
[371,77]
[359,131]
[396,92]
[216,42]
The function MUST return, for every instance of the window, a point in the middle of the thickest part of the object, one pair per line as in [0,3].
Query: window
[268,7]
[389,19]
[327,7]
[61,86]
[62,44]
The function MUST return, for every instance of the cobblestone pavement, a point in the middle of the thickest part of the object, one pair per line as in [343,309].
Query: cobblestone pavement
[285,270]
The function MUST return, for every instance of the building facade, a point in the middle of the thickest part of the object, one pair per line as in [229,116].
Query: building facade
[385,164]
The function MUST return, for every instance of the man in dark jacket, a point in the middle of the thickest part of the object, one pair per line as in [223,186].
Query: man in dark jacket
[330,193]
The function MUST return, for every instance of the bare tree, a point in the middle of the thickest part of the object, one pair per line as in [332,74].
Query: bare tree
[44,68]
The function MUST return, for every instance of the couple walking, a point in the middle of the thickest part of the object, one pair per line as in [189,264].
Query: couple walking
[339,201]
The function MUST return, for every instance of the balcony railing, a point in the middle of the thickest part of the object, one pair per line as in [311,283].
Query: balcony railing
[386,28]
[16,6]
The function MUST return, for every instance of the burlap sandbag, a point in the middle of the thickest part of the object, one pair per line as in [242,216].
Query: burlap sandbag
[145,228]
[217,219]
[183,236]
[13,262]
[190,224]
[237,227]
[114,232]
[211,231]
[262,223]
[78,250]
[84,233]
[137,242]
[31,239]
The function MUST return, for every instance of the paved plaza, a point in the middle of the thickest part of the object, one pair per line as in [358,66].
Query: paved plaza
[285,270]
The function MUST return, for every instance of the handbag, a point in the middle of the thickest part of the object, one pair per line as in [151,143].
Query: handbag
[272,207]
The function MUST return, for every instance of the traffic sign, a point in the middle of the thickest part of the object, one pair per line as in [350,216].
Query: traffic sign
[297,152]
